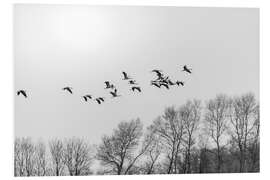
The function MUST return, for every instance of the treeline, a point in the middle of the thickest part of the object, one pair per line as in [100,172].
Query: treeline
[62,157]
[218,136]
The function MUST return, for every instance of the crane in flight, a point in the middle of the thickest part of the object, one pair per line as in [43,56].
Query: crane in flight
[89,96]
[136,88]
[114,93]
[86,97]
[100,100]
[182,83]
[158,73]
[171,83]
[186,69]
[133,82]
[126,77]
[68,89]
[23,92]
[109,85]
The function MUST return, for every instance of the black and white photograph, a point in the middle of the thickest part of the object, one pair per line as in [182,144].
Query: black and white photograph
[135,90]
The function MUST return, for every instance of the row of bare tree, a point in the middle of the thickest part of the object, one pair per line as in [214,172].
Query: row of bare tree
[222,136]
[70,157]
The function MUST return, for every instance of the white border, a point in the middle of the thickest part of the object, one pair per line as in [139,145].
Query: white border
[7,92]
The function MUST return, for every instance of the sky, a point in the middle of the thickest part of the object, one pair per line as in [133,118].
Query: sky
[83,46]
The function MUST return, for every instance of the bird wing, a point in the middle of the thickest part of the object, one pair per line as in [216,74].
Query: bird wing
[24,93]
[69,90]
[125,74]
[85,98]
[156,85]
[137,88]
[98,101]
[172,83]
[185,68]
[158,73]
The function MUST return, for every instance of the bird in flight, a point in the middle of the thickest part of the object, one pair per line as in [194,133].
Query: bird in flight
[86,97]
[101,99]
[158,73]
[185,68]
[114,93]
[23,92]
[108,85]
[89,96]
[180,83]
[171,83]
[126,77]
[68,89]
[98,100]
[136,88]
[132,82]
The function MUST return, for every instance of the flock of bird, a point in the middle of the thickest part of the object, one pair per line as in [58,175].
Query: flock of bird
[161,80]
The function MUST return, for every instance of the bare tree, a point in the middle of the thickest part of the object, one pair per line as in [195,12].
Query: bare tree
[169,129]
[117,151]
[77,157]
[174,143]
[24,157]
[243,121]
[254,144]
[41,163]
[190,115]
[29,156]
[18,158]
[216,124]
[203,141]
[57,153]
[153,151]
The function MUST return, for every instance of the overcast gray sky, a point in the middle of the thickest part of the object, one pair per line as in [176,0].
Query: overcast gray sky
[82,46]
